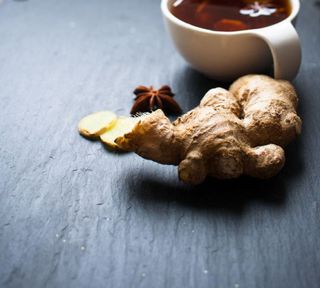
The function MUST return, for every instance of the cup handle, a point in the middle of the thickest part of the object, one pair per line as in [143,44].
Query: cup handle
[284,43]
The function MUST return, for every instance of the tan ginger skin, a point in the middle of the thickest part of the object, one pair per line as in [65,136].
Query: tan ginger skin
[231,133]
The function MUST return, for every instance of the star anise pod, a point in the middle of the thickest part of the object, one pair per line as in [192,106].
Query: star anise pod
[150,99]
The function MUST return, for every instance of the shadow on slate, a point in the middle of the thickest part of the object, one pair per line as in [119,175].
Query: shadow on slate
[317,4]
[231,195]
[218,195]
[192,86]
[215,195]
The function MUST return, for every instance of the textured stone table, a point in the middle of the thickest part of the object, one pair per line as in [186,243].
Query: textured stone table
[73,214]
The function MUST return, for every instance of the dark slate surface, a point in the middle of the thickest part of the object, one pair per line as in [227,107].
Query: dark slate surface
[75,215]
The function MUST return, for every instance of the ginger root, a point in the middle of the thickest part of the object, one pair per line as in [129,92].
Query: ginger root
[241,131]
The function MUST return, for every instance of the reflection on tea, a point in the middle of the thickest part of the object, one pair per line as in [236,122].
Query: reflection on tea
[231,15]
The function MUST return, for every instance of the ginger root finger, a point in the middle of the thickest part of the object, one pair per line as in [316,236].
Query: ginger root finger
[264,161]
[269,109]
[152,138]
[192,170]
[96,124]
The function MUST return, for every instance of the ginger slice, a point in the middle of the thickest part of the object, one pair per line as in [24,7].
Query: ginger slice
[122,126]
[96,124]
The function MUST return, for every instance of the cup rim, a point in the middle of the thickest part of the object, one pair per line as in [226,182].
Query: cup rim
[295,5]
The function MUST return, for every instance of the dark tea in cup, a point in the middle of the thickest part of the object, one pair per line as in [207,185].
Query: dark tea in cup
[231,15]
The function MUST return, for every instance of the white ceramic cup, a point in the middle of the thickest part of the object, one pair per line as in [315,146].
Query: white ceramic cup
[226,56]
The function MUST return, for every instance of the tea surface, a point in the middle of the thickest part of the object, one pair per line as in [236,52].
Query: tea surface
[231,15]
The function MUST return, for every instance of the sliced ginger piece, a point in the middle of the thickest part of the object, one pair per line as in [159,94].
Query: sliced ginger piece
[96,124]
[122,126]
